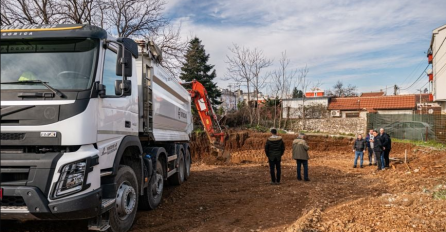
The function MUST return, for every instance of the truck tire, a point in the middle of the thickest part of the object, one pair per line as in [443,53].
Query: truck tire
[178,177]
[154,192]
[187,162]
[124,212]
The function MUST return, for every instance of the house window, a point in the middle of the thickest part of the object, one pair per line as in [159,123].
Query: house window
[352,115]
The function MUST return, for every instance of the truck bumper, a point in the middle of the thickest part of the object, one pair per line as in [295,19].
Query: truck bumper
[35,206]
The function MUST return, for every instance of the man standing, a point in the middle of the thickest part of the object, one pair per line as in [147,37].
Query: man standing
[378,149]
[369,140]
[387,146]
[300,154]
[359,148]
[274,149]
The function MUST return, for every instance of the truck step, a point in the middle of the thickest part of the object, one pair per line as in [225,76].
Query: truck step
[107,204]
[171,172]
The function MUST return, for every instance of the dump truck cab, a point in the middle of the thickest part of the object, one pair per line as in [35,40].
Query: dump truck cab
[91,126]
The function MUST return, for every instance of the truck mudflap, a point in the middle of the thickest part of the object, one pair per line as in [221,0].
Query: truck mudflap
[35,206]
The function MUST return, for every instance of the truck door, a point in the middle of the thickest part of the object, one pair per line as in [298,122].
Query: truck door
[117,116]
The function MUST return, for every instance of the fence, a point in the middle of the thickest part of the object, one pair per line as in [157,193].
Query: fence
[421,127]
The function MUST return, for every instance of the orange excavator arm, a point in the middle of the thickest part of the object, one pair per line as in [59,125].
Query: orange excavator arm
[207,115]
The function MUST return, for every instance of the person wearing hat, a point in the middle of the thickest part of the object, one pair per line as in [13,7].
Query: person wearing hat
[274,149]
[300,154]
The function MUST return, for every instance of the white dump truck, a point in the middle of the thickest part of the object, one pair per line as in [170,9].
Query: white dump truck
[91,126]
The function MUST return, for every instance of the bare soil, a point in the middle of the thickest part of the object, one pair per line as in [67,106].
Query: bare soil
[234,194]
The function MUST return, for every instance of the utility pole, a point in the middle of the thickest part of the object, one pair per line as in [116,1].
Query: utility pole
[420,101]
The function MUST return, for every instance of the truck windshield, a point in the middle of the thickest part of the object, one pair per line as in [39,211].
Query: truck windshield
[64,64]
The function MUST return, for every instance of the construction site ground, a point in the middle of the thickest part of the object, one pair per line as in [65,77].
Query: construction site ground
[233,193]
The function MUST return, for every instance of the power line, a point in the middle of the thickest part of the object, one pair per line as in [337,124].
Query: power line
[413,71]
[427,65]
[417,78]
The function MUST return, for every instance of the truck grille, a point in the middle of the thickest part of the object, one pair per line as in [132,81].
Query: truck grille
[12,136]
[13,201]
[13,177]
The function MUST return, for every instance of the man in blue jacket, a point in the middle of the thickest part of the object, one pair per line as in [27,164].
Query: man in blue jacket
[369,140]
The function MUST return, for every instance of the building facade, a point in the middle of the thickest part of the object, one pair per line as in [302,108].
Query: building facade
[437,57]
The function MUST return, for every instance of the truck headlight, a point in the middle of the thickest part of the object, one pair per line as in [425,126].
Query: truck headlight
[71,178]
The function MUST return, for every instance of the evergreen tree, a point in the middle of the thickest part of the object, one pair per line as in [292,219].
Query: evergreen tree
[297,93]
[197,67]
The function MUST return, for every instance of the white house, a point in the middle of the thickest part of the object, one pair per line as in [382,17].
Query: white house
[437,56]
[292,108]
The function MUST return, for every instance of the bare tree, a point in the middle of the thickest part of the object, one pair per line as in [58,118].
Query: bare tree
[80,11]
[284,81]
[239,70]
[304,83]
[258,62]
[173,46]
[19,12]
[246,65]
[339,90]
[136,17]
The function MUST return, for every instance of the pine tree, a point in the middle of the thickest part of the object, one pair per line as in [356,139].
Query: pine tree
[197,67]
[297,93]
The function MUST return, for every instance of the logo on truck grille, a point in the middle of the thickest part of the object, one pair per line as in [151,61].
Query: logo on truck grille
[48,134]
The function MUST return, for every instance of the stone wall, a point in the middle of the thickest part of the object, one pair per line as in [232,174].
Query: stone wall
[332,125]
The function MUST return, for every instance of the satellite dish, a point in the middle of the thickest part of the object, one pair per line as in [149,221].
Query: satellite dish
[426,90]
[430,111]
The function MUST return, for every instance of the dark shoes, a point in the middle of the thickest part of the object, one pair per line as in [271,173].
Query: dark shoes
[307,179]
[362,166]
[354,166]
[370,164]
[275,183]
[299,178]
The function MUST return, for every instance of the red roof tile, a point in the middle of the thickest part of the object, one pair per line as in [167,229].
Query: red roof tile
[372,94]
[373,103]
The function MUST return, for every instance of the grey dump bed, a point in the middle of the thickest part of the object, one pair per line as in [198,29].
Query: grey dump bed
[165,105]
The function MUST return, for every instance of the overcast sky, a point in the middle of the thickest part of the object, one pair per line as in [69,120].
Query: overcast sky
[370,44]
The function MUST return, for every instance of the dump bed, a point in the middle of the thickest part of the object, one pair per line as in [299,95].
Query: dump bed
[164,104]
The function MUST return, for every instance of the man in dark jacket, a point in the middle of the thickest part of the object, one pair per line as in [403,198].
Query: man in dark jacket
[300,154]
[378,149]
[274,149]
[387,146]
[359,147]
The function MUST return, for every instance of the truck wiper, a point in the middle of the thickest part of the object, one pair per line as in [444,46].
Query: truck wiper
[55,91]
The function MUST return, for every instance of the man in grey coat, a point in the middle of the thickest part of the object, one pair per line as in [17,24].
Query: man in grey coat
[300,154]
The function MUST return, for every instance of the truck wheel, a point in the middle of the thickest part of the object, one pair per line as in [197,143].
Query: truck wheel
[154,192]
[124,212]
[178,177]
[187,162]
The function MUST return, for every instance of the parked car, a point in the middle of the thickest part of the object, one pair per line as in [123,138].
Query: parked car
[410,130]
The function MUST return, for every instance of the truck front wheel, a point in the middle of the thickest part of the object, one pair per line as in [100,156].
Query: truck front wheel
[124,212]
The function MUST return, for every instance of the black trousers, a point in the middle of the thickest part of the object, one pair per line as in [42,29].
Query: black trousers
[275,165]
[370,150]
[379,155]
[386,157]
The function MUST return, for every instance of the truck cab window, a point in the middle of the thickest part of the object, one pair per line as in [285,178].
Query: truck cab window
[109,74]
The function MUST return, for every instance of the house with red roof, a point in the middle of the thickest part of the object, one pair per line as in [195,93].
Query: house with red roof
[354,107]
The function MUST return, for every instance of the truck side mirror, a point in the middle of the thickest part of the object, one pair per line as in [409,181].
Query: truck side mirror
[125,87]
[126,60]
